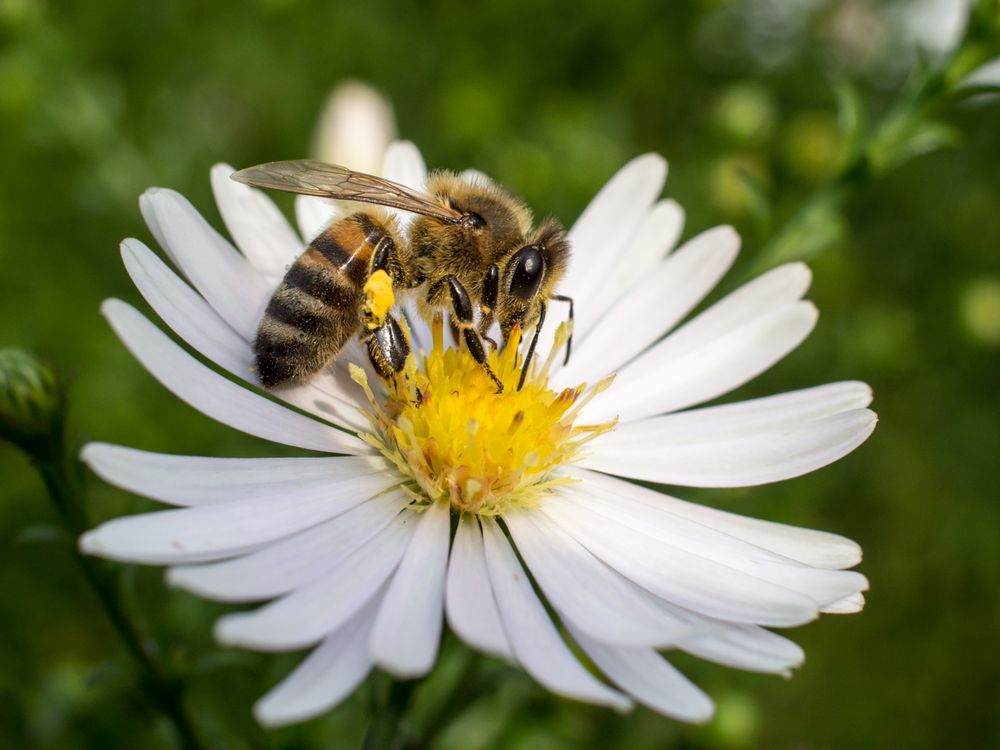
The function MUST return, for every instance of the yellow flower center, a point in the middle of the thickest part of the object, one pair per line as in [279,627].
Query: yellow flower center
[455,438]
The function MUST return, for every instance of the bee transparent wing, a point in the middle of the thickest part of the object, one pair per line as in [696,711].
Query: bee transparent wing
[342,184]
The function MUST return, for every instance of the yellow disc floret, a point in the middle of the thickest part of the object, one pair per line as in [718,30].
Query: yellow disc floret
[446,428]
[379,298]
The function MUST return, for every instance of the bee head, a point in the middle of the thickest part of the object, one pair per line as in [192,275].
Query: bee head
[530,276]
[524,272]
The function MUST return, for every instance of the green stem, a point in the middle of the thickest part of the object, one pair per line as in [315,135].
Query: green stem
[388,730]
[468,687]
[63,482]
[816,224]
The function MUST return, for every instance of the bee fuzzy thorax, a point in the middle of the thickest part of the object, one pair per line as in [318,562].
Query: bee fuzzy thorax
[445,426]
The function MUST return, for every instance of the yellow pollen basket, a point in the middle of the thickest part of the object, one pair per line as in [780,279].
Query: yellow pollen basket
[446,428]
[379,298]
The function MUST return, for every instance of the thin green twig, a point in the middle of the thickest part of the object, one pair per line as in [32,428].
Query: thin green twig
[906,131]
[63,479]
[389,729]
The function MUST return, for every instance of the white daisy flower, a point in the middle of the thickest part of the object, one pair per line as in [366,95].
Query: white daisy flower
[353,552]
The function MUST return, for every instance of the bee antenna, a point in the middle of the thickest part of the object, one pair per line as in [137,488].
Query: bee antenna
[531,347]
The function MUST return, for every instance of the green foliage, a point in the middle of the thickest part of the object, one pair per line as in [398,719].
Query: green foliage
[31,400]
[100,100]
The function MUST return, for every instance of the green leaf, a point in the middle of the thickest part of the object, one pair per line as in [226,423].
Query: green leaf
[758,200]
[107,672]
[924,138]
[220,661]
[42,533]
[850,114]
[816,228]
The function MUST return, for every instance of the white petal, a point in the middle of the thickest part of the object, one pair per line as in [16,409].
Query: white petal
[819,584]
[605,228]
[211,532]
[777,288]
[404,164]
[199,325]
[745,647]
[223,277]
[743,419]
[764,456]
[292,562]
[420,334]
[817,548]
[677,575]
[588,594]
[611,220]
[736,645]
[355,127]
[754,301]
[742,646]
[849,605]
[185,311]
[655,237]
[196,480]
[658,382]
[313,215]
[533,637]
[650,679]
[216,397]
[475,175]
[654,306]
[469,603]
[331,399]
[404,640]
[327,676]
[356,353]
[987,74]
[308,614]
[259,229]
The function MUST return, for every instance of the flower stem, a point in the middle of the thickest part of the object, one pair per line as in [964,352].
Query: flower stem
[388,730]
[63,479]
[468,687]
[163,692]
[906,131]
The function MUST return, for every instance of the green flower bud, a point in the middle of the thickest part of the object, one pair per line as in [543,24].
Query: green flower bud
[31,400]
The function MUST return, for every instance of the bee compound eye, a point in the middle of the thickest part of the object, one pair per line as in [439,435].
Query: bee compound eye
[526,275]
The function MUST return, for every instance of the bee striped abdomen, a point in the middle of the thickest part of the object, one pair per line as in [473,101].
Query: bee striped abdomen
[317,307]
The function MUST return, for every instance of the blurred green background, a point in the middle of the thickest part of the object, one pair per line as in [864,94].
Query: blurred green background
[99,100]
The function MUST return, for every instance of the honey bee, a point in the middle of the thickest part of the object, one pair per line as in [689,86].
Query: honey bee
[471,247]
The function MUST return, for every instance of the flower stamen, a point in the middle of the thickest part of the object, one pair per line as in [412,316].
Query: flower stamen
[444,426]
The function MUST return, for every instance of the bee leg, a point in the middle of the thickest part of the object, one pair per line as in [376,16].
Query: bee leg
[462,309]
[382,280]
[387,345]
[382,255]
[569,341]
[531,347]
[491,290]
[388,348]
